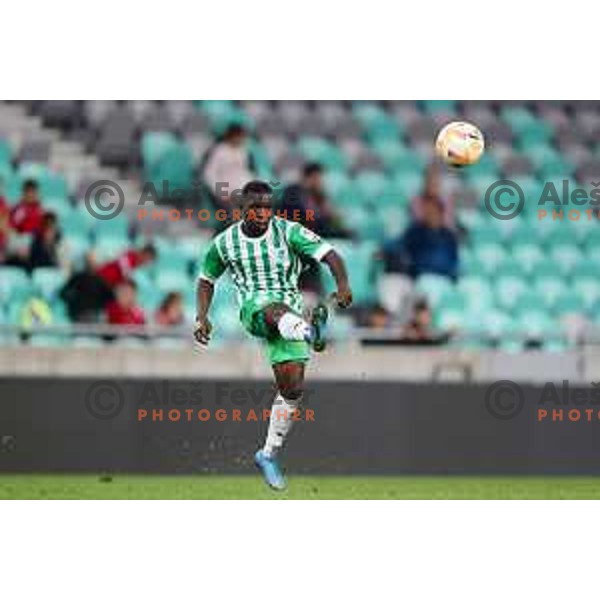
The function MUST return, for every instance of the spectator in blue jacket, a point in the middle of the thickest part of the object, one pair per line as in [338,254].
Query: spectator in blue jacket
[427,246]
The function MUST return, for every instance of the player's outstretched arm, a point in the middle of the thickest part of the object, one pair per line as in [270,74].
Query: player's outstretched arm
[204,298]
[338,269]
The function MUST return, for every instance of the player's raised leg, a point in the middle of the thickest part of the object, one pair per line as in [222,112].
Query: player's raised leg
[289,377]
[279,318]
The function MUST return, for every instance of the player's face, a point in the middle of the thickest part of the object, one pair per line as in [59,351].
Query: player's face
[258,213]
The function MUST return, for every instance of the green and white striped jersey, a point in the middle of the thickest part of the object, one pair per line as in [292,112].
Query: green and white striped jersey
[264,269]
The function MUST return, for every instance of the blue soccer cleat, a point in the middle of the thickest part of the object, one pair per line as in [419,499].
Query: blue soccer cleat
[319,325]
[269,467]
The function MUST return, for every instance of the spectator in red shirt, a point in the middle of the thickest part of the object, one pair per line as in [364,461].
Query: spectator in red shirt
[170,311]
[119,270]
[124,309]
[26,215]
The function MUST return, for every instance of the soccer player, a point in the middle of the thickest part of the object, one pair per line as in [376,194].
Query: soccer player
[263,254]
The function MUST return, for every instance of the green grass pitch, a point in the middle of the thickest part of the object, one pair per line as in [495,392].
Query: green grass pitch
[300,487]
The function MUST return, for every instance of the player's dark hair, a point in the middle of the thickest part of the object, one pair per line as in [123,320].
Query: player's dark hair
[256,188]
[312,168]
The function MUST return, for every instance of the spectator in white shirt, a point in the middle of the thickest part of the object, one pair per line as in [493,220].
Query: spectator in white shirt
[228,165]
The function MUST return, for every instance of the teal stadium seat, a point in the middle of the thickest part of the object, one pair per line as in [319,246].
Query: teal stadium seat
[530,301]
[434,287]
[569,303]
[15,285]
[5,152]
[477,292]
[498,324]
[529,256]
[586,270]
[490,255]
[48,281]
[535,324]
[508,290]
[324,152]
[395,221]
[173,281]
[223,113]
[371,186]
[438,106]
[377,124]
[551,289]
[588,291]
[397,158]
[166,158]
[565,257]
[403,187]
[450,319]
[109,247]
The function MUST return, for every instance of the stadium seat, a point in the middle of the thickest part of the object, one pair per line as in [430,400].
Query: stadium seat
[448,320]
[433,287]
[5,152]
[550,288]
[508,290]
[322,151]
[565,257]
[535,323]
[371,186]
[439,106]
[477,292]
[587,290]
[491,256]
[173,281]
[530,301]
[498,324]
[529,256]
[109,248]
[569,303]
[48,281]
[14,284]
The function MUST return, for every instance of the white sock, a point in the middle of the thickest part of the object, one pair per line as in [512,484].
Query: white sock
[280,424]
[293,328]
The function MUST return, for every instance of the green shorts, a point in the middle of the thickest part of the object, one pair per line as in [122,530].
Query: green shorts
[278,349]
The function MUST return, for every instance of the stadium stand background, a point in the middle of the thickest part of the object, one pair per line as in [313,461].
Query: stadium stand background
[522,283]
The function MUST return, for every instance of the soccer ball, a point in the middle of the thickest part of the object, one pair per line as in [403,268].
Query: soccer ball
[459,144]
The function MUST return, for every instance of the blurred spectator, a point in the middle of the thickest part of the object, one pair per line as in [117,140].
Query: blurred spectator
[419,325]
[124,309]
[378,318]
[119,270]
[427,246]
[419,329]
[86,293]
[26,215]
[43,251]
[228,165]
[314,209]
[170,311]
[432,189]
